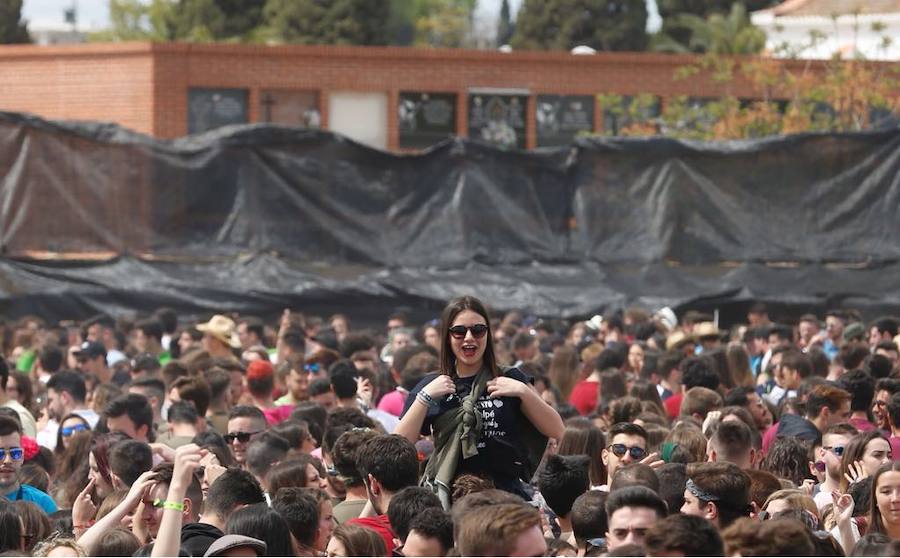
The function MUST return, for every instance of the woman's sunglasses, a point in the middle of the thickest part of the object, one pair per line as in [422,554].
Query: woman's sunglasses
[459,332]
[69,430]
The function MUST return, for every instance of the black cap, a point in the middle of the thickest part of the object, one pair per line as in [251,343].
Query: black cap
[91,349]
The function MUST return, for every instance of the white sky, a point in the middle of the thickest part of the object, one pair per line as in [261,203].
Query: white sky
[94,14]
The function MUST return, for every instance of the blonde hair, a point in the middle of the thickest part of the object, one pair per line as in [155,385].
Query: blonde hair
[44,548]
[797,498]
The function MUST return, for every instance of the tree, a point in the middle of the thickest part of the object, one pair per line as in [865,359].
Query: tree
[505,26]
[242,18]
[599,24]
[12,28]
[334,22]
[672,10]
[703,8]
[444,23]
[717,34]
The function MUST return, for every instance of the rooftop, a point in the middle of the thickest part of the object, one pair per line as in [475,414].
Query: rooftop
[828,8]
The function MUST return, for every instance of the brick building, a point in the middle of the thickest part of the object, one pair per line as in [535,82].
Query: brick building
[388,97]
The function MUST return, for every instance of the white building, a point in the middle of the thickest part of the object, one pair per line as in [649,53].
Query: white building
[820,29]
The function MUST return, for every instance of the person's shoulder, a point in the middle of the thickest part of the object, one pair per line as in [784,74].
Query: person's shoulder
[36,495]
[425,380]
[516,374]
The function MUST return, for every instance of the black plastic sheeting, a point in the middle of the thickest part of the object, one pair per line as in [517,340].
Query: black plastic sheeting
[95,218]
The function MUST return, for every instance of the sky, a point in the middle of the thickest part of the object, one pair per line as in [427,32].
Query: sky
[93,14]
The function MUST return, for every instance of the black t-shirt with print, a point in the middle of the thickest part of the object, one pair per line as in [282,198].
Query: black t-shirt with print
[500,451]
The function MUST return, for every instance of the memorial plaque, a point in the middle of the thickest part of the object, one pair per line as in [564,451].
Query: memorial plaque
[426,119]
[621,111]
[291,108]
[498,119]
[561,118]
[209,109]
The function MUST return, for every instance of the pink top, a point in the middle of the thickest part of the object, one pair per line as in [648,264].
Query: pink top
[393,403]
[276,415]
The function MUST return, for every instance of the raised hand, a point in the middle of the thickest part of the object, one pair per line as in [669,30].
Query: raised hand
[83,509]
[506,387]
[856,472]
[653,460]
[440,386]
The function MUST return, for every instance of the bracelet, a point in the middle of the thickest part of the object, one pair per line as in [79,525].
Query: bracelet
[179,506]
[427,400]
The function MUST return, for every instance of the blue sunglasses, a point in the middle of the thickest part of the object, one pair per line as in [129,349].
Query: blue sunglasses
[16,454]
[69,430]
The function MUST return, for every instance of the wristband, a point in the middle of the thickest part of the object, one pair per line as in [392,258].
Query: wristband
[179,506]
[427,400]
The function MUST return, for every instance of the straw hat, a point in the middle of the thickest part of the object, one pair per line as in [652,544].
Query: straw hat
[676,340]
[706,329]
[222,328]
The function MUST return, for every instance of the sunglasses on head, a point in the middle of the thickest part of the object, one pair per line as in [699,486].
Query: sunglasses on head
[242,437]
[478,331]
[69,430]
[16,454]
[619,450]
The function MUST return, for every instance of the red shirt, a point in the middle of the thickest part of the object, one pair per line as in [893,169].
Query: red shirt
[584,396]
[380,525]
[673,405]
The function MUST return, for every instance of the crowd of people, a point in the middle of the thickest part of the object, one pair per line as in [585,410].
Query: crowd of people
[476,434]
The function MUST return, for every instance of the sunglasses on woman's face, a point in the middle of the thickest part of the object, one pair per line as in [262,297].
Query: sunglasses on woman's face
[459,332]
[69,430]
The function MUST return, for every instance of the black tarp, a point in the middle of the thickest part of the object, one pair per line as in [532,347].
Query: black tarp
[256,218]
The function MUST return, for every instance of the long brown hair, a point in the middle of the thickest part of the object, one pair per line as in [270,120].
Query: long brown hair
[453,309]
[739,365]
[359,541]
[876,524]
[582,437]
[564,370]
[854,451]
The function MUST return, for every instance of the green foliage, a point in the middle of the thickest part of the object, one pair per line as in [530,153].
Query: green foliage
[505,26]
[733,33]
[12,29]
[444,23]
[703,8]
[332,22]
[675,33]
[564,24]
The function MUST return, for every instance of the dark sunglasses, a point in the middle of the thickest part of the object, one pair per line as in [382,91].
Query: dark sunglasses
[838,450]
[619,450]
[16,454]
[242,437]
[478,331]
[69,430]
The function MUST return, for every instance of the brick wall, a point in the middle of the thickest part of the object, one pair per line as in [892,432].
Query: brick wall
[144,86]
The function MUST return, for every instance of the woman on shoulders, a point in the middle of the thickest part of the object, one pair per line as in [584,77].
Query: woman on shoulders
[485,421]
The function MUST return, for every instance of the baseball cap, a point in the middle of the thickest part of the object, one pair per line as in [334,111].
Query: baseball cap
[228,542]
[91,349]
